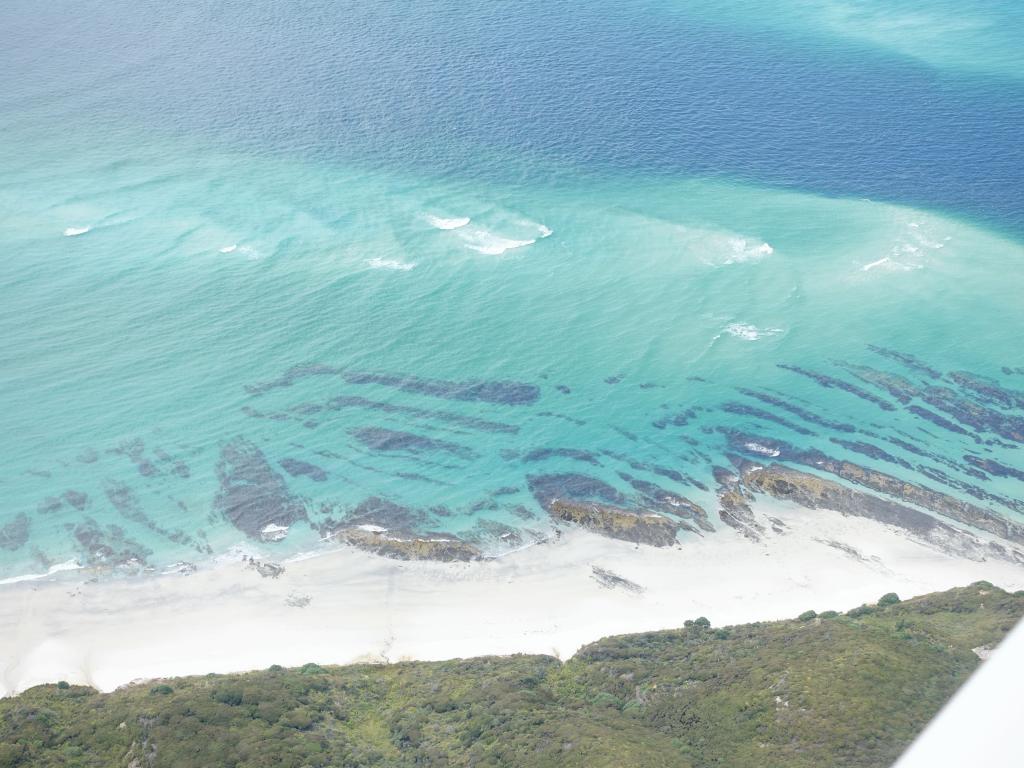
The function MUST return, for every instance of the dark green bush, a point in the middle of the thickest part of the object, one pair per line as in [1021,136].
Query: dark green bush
[861,611]
[807,616]
[889,598]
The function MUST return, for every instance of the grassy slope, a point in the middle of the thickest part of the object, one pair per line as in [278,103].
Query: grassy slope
[844,691]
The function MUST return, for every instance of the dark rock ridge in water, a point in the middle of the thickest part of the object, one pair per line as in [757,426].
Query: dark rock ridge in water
[871,451]
[76,499]
[380,439]
[993,467]
[108,546]
[988,390]
[482,425]
[14,534]
[124,500]
[292,375]
[577,454]
[384,513]
[741,409]
[547,488]
[497,392]
[940,503]
[658,499]
[299,468]
[830,382]
[680,419]
[906,360]
[252,495]
[796,410]
[617,523]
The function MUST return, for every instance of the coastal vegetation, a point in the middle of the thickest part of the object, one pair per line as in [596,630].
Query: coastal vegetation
[827,689]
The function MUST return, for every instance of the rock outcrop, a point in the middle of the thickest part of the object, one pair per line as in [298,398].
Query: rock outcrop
[618,523]
[409,546]
[815,492]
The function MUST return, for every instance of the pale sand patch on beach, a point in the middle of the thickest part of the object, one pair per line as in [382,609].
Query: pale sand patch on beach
[542,599]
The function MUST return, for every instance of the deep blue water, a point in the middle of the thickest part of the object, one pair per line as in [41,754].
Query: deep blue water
[504,91]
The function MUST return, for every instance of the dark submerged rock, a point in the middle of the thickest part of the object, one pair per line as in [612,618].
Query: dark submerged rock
[547,488]
[298,468]
[14,534]
[386,440]
[252,495]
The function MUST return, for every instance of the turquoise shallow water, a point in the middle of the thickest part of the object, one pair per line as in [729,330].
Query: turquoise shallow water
[385,253]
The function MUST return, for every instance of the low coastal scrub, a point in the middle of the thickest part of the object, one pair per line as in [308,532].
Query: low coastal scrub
[852,690]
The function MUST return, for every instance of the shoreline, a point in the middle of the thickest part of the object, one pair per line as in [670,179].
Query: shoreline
[346,605]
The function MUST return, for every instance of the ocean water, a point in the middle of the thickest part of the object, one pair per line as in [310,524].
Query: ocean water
[443,254]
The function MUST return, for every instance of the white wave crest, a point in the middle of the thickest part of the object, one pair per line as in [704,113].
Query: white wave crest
[75,231]
[439,222]
[489,244]
[68,565]
[749,332]
[228,248]
[379,263]
[741,250]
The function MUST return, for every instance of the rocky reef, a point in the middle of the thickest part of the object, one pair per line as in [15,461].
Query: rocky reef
[14,534]
[910,493]
[617,522]
[252,495]
[814,492]
[734,505]
[408,546]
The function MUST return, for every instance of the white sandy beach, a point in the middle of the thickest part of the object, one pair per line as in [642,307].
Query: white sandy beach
[543,599]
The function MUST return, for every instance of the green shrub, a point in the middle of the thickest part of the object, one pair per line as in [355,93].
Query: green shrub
[311,669]
[161,690]
[605,699]
[807,616]
[828,614]
[702,622]
[889,598]
[63,685]
[864,610]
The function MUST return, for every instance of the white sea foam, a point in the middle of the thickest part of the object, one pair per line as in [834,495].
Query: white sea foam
[228,249]
[761,449]
[439,222]
[379,263]
[873,264]
[75,231]
[742,249]
[489,244]
[68,565]
[371,528]
[749,332]
[542,229]
[892,264]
